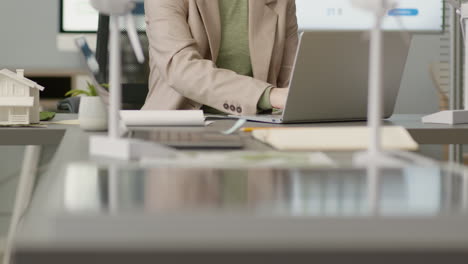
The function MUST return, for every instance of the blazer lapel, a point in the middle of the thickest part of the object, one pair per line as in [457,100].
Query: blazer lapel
[262,33]
[209,11]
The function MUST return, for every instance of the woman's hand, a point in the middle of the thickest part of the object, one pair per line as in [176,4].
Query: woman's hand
[278,97]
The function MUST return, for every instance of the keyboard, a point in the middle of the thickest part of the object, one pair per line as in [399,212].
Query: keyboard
[183,139]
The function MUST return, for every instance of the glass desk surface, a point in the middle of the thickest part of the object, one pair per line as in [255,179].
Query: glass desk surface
[412,191]
[120,208]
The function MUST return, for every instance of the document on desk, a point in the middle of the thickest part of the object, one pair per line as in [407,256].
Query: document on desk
[334,138]
[163,118]
[75,122]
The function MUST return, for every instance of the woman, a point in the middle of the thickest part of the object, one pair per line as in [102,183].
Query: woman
[233,56]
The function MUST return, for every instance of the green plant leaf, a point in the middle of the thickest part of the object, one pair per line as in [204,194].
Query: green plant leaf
[46,116]
[92,89]
[74,93]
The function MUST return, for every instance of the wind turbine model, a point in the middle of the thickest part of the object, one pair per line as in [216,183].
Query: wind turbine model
[452,117]
[375,154]
[113,145]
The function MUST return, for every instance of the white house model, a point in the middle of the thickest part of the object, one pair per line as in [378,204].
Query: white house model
[19,99]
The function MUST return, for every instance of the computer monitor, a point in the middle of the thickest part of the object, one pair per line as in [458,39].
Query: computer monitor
[411,15]
[78,16]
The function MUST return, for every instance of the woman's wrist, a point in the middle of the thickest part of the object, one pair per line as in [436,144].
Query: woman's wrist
[264,102]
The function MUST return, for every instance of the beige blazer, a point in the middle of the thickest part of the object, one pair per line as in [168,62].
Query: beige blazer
[185,37]
[170,189]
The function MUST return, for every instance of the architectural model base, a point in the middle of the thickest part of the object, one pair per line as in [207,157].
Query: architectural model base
[127,149]
[451,117]
[391,159]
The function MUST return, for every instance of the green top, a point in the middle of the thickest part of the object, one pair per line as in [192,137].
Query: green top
[234,51]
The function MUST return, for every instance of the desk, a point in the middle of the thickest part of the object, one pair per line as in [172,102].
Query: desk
[431,134]
[423,133]
[276,216]
[48,232]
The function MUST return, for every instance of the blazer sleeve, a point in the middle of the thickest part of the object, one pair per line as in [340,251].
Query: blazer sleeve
[290,48]
[180,64]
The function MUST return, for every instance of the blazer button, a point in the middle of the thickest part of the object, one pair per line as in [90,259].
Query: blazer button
[239,110]
[226,106]
[233,108]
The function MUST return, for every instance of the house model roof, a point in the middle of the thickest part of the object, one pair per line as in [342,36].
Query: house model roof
[23,80]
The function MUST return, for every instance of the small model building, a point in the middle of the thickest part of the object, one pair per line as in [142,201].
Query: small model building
[19,99]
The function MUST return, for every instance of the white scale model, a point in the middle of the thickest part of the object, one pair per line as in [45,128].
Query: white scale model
[19,99]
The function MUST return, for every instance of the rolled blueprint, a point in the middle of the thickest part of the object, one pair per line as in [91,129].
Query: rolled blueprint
[163,118]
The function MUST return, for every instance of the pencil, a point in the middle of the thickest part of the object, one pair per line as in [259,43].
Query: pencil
[251,129]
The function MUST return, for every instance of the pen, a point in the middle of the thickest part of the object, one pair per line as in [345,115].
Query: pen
[251,129]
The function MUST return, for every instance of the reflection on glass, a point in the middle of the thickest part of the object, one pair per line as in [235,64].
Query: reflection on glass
[298,193]
[465,191]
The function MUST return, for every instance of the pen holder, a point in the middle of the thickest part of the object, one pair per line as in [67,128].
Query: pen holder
[92,114]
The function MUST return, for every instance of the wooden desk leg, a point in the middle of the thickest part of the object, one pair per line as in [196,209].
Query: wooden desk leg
[23,194]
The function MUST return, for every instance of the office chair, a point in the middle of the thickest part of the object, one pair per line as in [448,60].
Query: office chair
[134,75]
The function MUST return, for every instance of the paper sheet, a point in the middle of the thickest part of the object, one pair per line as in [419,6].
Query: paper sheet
[334,138]
[75,122]
[163,118]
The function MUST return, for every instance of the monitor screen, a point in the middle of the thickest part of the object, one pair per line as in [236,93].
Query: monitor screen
[412,15]
[77,16]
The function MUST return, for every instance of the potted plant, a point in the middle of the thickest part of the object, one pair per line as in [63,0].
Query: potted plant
[92,113]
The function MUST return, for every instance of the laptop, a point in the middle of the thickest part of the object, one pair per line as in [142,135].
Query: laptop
[330,78]
[179,138]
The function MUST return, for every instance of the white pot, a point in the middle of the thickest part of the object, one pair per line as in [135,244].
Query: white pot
[92,114]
